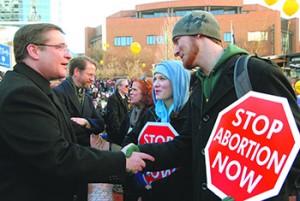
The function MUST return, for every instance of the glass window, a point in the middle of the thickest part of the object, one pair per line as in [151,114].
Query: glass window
[227,37]
[152,40]
[257,36]
[155,14]
[182,12]
[217,12]
[123,40]
[286,41]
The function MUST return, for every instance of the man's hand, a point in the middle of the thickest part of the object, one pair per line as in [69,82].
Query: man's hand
[135,161]
[98,142]
[81,121]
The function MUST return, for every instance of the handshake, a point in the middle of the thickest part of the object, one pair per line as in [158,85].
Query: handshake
[135,160]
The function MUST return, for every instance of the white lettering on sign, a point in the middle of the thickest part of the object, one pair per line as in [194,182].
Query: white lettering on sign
[162,173]
[151,138]
[4,51]
[248,148]
[234,171]
[275,127]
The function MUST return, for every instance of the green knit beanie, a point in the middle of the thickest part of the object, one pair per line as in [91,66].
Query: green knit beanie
[197,22]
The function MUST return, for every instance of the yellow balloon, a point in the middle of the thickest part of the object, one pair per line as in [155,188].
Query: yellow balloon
[271,2]
[297,87]
[135,48]
[143,65]
[290,7]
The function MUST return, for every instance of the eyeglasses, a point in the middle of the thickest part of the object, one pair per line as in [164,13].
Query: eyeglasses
[61,46]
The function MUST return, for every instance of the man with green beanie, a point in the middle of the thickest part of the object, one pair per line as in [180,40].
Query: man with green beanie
[198,42]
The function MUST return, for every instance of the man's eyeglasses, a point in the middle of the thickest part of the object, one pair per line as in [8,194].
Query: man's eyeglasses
[60,46]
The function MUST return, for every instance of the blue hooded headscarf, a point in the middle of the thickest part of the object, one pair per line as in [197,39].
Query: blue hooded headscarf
[180,80]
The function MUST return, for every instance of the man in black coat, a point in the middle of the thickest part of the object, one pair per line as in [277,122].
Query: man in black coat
[79,106]
[72,94]
[117,108]
[39,155]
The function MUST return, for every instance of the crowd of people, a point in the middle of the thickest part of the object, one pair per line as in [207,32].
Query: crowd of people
[48,117]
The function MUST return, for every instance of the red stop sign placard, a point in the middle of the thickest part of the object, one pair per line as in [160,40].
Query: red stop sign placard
[154,132]
[252,148]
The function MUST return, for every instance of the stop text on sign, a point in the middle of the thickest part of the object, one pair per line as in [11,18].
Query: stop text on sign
[157,132]
[153,138]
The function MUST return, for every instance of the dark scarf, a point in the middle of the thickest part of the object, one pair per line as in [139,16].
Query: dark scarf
[135,115]
[80,92]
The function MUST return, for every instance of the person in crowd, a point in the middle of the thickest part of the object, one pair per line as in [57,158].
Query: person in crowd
[170,93]
[98,106]
[79,106]
[198,42]
[117,108]
[140,99]
[40,158]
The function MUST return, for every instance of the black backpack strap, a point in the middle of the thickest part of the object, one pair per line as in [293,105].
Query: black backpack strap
[241,78]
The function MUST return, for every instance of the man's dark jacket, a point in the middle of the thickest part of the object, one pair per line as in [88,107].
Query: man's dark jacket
[117,109]
[67,96]
[202,115]
[39,156]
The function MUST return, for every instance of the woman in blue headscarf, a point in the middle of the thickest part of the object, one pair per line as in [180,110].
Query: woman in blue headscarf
[170,93]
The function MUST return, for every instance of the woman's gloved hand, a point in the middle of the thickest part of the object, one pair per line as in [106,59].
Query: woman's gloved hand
[228,198]
[128,149]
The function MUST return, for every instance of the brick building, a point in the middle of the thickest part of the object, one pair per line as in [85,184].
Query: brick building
[257,29]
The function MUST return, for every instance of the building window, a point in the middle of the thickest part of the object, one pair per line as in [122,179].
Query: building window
[230,11]
[182,12]
[223,11]
[123,40]
[217,12]
[155,15]
[227,37]
[257,36]
[153,40]
[286,41]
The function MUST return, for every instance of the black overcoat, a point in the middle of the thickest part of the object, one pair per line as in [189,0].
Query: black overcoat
[67,96]
[117,109]
[39,156]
